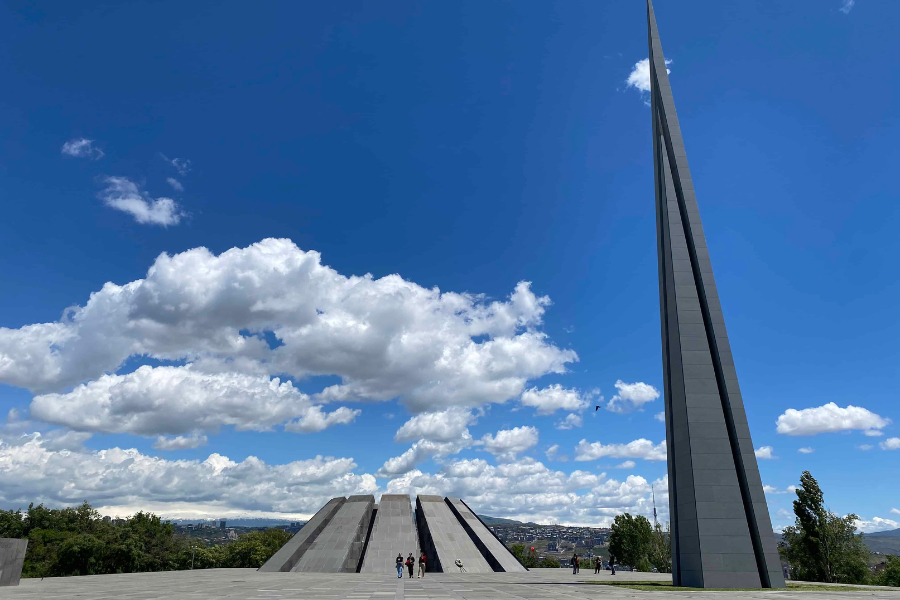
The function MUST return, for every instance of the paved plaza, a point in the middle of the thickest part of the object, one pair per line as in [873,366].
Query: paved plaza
[249,584]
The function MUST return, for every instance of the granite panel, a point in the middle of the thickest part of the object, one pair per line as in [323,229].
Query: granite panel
[494,551]
[12,555]
[445,537]
[338,548]
[394,532]
[289,554]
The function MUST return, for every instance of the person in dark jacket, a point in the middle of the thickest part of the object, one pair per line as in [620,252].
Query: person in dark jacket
[598,562]
[399,562]
[574,563]
[421,566]
[410,564]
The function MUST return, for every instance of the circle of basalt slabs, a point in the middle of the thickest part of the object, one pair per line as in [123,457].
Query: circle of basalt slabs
[356,535]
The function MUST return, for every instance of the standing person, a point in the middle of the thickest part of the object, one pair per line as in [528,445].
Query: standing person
[410,563]
[574,563]
[577,564]
[612,564]
[421,567]
[598,562]
[399,562]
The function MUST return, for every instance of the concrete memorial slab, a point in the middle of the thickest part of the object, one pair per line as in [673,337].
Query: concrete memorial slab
[444,540]
[339,547]
[393,532]
[12,555]
[289,554]
[493,550]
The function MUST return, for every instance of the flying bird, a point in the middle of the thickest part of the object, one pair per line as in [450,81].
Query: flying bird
[597,408]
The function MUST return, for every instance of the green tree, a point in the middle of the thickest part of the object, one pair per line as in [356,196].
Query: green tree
[526,556]
[660,554]
[548,562]
[821,545]
[255,548]
[630,539]
[890,575]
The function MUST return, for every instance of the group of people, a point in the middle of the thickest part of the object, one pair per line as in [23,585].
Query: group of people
[575,561]
[410,565]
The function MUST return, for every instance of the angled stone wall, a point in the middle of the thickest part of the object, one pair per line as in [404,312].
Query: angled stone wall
[289,554]
[354,535]
[12,555]
[492,549]
[394,531]
[338,548]
[444,539]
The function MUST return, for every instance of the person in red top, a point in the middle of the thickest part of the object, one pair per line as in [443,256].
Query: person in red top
[421,566]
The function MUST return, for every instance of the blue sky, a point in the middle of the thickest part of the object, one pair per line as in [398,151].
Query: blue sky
[433,223]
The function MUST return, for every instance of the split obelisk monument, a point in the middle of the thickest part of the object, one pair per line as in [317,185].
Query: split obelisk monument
[721,532]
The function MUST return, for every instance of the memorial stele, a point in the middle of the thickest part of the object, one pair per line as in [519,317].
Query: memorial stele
[721,533]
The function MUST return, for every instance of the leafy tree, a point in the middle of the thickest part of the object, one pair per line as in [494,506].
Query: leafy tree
[255,548]
[630,539]
[77,541]
[660,554]
[527,557]
[891,573]
[548,562]
[821,545]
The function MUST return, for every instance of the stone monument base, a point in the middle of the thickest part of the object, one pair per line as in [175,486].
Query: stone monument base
[12,555]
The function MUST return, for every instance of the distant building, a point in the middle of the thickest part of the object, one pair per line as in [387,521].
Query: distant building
[222,524]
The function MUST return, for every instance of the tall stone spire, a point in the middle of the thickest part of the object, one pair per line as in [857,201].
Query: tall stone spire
[721,532]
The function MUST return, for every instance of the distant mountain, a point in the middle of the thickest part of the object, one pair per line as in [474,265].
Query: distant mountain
[889,533]
[499,521]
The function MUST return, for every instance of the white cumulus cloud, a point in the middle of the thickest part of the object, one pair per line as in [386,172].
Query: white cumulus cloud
[555,397]
[385,338]
[180,442]
[442,426]
[509,442]
[176,400]
[552,453]
[631,396]
[660,416]
[640,448]
[639,78]
[830,418]
[628,464]
[890,444]
[421,451]
[125,195]
[570,421]
[315,419]
[765,452]
[82,148]
[527,490]
[876,524]
[806,450]
[31,472]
